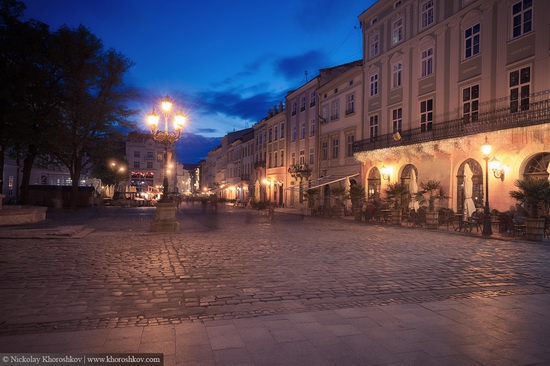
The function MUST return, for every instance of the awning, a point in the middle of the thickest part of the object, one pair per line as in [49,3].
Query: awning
[325,180]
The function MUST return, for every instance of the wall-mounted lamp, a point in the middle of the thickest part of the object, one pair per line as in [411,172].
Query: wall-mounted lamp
[499,170]
[386,172]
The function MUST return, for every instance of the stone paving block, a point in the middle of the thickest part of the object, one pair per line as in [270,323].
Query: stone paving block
[231,357]
[224,337]
[167,347]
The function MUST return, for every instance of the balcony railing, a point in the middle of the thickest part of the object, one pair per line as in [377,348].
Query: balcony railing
[494,115]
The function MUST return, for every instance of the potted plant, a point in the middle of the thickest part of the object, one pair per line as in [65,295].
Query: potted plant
[356,195]
[395,195]
[533,194]
[433,190]
[311,196]
[338,192]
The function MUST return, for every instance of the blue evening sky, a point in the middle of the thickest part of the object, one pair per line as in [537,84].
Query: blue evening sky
[224,62]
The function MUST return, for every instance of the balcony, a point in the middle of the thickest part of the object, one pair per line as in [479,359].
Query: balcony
[495,115]
[245,177]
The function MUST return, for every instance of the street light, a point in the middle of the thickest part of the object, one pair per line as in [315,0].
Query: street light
[165,219]
[165,137]
[487,230]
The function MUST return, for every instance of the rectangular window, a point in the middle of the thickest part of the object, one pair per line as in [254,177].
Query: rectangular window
[373,122]
[335,106]
[520,86]
[294,133]
[136,154]
[397,120]
[302,157]
[282,130]
[471,41]
[275,159]
[293,158]
[374,44]
[312,128]
[349,146]
[324,150]
[397,30]
[397,70]
[312,99]
[427,62]
[350,104]
[373,85]
[294,107]
[325,113]
[276,132]
[270,134]
[335,147]
[426,115]
[136,164]
[303,105]
[427,13]
[270,160]
[150,155]
[311,155]
[282,157]
[149,165]
[470,104]
[522,18]
[303,131]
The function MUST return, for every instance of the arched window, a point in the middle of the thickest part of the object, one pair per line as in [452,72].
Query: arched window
[537,167]
[374,183]
[477,184]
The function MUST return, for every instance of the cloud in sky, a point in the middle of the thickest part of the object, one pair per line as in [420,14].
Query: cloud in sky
[294,67]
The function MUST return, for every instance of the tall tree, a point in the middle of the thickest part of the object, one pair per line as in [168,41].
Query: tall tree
[95,98]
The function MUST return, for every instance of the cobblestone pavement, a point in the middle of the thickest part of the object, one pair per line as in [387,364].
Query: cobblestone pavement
[238,263]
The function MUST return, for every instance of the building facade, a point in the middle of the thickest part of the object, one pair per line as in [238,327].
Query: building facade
[146,165]
[341,113]
[302,142]
[441,79]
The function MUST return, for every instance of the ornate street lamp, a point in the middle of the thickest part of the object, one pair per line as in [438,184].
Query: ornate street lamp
[487,230]
[166,210]
[165,137]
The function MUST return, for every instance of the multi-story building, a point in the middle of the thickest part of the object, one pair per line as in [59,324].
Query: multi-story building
[302,125]
[441,78]
[341,113]
[260,155]
[275,125]
[146,163]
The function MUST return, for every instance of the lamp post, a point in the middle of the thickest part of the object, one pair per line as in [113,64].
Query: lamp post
[165,137]
[487,230]
[166,210]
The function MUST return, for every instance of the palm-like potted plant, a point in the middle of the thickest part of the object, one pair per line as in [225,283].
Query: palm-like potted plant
[395,195]
[356,195]
[311,196]
[431,191]
[534,194]
[338,192]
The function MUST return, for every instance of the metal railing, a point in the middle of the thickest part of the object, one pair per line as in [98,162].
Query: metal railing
[494,115]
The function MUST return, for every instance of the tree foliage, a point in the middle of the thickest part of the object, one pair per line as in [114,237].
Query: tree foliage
[62,93]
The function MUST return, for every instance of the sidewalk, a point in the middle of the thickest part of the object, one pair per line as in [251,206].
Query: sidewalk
[506,330]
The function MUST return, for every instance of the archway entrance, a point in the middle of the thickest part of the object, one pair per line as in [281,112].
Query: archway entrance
[537,167]
[374,182]
[477,184]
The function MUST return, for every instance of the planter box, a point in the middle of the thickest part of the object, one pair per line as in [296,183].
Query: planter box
[432,220]
[395,218]
[535,229]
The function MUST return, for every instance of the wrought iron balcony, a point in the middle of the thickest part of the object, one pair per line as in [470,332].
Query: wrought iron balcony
[495,115]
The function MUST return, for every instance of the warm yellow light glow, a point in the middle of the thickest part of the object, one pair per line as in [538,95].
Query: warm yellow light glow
[486,148]
[121,169]
[179,120]
[494,163]
[166,104]
[386,172]
[153,119]
[265,181]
